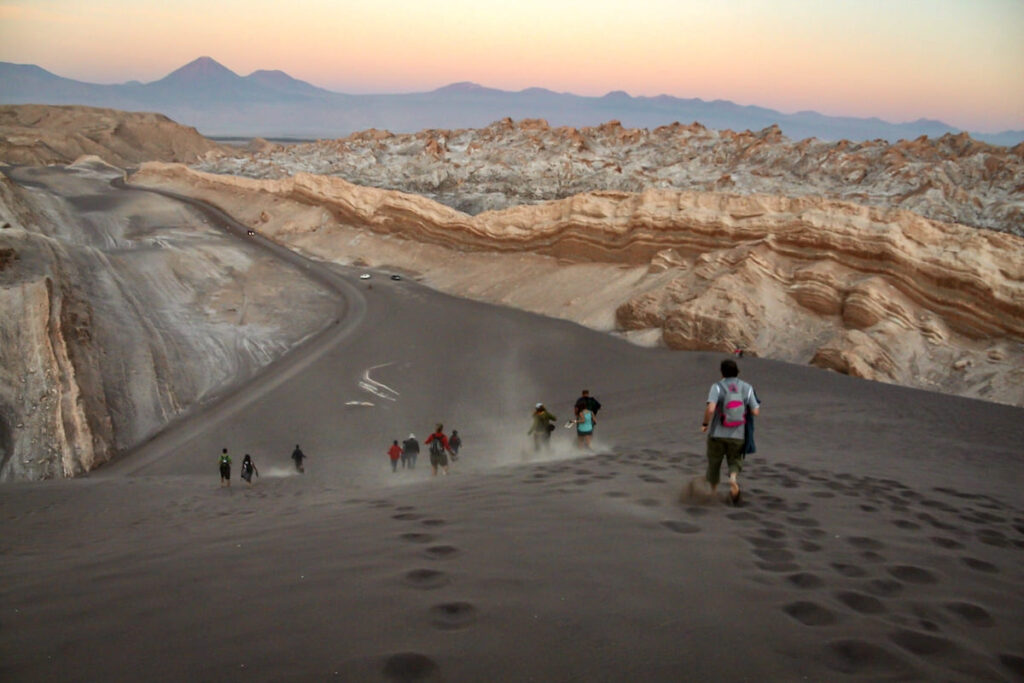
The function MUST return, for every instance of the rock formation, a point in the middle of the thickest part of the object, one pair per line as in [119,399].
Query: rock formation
[113,324]
[879,293]
[37,135]
[953,178]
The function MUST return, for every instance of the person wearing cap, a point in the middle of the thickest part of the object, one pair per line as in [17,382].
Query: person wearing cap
[543,425]
[410,449]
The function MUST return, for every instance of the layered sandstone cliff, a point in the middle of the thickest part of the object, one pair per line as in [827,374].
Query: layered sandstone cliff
[952,178]
[114,322]
[879,293]
[44,134]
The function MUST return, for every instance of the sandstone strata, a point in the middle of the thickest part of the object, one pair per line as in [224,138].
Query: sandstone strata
[37,134]
[953,178]
[879,293]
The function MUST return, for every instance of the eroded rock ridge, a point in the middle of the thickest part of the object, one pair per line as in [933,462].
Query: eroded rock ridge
[953,178]
[878,293]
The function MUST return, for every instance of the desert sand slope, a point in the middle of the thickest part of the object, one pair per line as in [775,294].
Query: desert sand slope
[881,538]
[953,178]
[876,293]
[38,134]
[121,310]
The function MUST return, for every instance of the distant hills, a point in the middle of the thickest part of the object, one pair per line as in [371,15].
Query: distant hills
[219,102]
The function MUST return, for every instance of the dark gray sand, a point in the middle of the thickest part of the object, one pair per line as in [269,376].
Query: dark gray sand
[881,535]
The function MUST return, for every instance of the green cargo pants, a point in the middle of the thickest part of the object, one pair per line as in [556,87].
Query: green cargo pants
[731,450]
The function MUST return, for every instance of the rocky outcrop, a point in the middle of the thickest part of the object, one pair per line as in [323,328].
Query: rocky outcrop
[952,179]
[880,293]
[37,134]
[111,327]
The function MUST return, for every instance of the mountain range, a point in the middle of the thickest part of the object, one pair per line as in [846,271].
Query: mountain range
[219,102]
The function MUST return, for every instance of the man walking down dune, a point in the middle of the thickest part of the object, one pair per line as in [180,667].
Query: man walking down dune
[587,402]
[439,450]
[225,468]
[298,456]
[542,427]
[725,417]
[410,450]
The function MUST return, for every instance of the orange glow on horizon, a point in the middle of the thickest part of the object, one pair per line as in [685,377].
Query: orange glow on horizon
[955,61]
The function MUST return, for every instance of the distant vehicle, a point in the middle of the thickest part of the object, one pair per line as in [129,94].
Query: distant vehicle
[250,233]
[396,277]
[364,276]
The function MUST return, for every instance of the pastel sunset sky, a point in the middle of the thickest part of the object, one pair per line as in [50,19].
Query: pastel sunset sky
[961,61]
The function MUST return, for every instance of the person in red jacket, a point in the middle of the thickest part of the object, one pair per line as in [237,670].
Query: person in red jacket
[439,450]
[395,452]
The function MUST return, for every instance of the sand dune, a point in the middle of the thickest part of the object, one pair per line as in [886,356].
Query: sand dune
[880,537]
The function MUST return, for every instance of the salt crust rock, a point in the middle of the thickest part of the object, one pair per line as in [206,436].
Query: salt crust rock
[883,294]
[952,178]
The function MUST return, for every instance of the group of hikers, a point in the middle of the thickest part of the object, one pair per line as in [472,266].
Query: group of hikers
[438,445]
[584,418]
[249,467]
[728,422]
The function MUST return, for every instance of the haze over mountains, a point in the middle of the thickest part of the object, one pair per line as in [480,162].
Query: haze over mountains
[268,103]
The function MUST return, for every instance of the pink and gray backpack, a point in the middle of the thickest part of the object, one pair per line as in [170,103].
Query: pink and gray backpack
[732,405]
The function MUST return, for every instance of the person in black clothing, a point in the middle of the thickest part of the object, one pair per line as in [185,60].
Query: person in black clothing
[455,443]
[298,456]
[248,467]
[589,402]
[410,449]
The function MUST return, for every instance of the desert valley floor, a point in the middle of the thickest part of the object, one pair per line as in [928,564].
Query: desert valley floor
[881,535]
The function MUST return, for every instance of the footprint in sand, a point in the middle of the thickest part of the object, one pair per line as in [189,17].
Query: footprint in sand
[765,542]
[433,522]
[864,543]
[937,523]
[923,644]
[417,538]
[441,552]
[859,602]
[680,527]
[971,613]
[850,571]
[410,666]
[1014,663]
[980,565]
[450,616]
[774,555]
[863,658]
[426,579]
[906,524]
[805,580]
[947,543]
[912,574]
[809,613]
[993,537]
[407,516]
